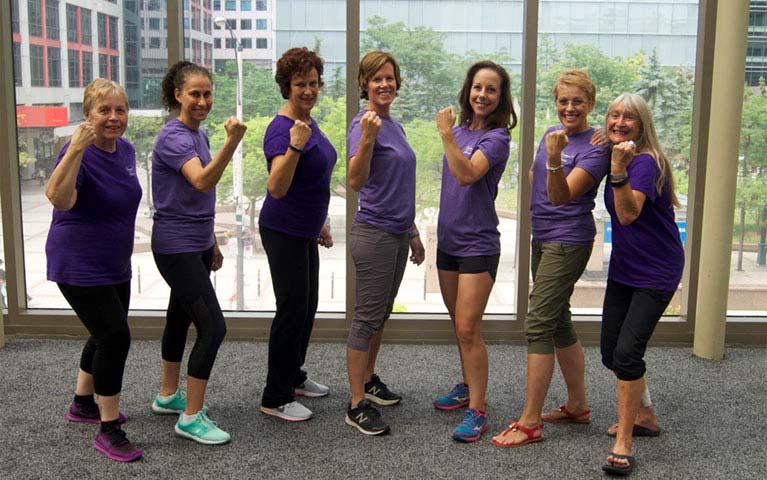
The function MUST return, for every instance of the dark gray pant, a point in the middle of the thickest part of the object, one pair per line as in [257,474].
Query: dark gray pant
[379,259]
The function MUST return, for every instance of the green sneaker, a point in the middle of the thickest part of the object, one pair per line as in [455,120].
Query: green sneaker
[176,405]
[202,430]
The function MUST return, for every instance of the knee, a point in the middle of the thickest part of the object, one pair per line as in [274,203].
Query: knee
[360,336]
[117,340]
[627,365]
[218,332]
[467,334]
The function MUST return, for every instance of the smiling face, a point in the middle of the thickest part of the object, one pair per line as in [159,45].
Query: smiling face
[485,95]
[573,108]
[304,90]
[381,89]
[109,117]
[623,125]
[196,100]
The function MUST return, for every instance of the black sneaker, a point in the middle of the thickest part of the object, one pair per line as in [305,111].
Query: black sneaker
[377,392]
[366,418]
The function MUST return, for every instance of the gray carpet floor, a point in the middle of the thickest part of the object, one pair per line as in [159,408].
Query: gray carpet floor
[712,415]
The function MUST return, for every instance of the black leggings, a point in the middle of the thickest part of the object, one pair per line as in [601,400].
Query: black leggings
[629,316]
[104,312]
[192,300]
[294,263]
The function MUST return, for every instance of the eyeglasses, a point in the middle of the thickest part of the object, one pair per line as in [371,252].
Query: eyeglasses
[575,102]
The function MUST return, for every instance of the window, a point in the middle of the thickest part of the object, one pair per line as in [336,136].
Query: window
[231,23]
[115,68]
[87,67]
[245,5]
[217,43]
[154,5]
[35,16]
[103,66]
[113,42]
[76,112]
[15,17]
[154,24]
[261,24]
[261,5]
[246,24]
[154,42]
[216,4]
[54,67]
[246,43]
[52,19]
[102,26]
[230,5]
[261,43]
[71,23]
[229,43]
[73,63]
[36,65]
[85,27]
[17,78]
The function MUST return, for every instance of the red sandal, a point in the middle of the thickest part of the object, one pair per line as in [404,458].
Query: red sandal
[563,415]
[516,427]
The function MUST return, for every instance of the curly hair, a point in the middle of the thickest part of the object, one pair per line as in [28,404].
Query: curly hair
[576,78]
[371,63]
[504,116]
[296,61]
[176,77]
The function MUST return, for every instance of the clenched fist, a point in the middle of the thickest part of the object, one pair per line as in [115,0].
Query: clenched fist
[299,134]
[556,142]
[623,154]
[84,135]
[235,129]
[445,120]
[370,124]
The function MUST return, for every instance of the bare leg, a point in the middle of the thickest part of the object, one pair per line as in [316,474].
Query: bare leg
[629,400]
[356,362]
[375,347]
[572,364]
[473,293]
[84,385]
[195,394]
[109,407]
[448,285]
[169,381]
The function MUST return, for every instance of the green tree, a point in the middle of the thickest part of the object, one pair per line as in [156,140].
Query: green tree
[261,95]
[142,132]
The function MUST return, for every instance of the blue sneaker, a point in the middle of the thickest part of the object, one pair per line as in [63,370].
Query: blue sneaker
[457,398]
[176,405]
[202,430]
[472,427]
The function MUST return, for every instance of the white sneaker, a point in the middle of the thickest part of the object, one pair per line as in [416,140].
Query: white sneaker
[292,412]
[310,388]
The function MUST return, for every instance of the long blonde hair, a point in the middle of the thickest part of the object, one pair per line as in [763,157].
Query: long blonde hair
[647,141]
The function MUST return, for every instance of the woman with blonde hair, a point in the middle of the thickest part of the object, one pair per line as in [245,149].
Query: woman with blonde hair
[646,265]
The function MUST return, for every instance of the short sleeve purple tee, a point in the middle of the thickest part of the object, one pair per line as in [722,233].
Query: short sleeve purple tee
[91,244]
[303,209]
[573,222]
[468,225]
[387,200]
[647,253]
[184,217]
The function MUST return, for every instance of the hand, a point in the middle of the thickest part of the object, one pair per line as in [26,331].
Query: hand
[556,141]
[299,134]
[623,153]
[326,239]
[600,138]
[235,129]
[417,252]
[371,124]
[218,258]
[84,135]
[445,120]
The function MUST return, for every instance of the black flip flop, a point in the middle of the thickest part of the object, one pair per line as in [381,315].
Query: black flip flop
[640,431]
[616,470]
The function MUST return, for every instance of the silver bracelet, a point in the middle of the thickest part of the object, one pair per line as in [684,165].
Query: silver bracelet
[554,169]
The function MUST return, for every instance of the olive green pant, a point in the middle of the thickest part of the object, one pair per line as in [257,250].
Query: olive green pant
[556,267]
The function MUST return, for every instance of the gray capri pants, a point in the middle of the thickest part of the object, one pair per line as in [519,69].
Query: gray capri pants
[379,260]
[556,267]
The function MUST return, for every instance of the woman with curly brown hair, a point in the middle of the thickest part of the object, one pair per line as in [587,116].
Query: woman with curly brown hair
[300,161]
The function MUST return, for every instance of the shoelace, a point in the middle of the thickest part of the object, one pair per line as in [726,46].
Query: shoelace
[117,437]
[205,420]
[470,420]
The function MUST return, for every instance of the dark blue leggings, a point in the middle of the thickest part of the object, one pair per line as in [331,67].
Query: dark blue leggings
[629,316]
[192,300]
[104,312]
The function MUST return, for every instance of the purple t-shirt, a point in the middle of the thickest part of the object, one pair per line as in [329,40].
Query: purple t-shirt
[468,225]
[387,200]
[91,244]
[184,217]
[303,209]
[573,222]
[648,253]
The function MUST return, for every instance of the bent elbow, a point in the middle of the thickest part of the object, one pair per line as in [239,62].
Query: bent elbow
[354,184]
[626,220]
[276,193]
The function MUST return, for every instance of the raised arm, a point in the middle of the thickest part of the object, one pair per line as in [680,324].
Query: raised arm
[284,166]
[60,190]
[628,202]
[563,188]
[203,179]
[465,170]
[359,165]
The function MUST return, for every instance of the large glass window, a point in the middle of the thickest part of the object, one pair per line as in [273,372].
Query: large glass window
[52,19]
[643,47]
